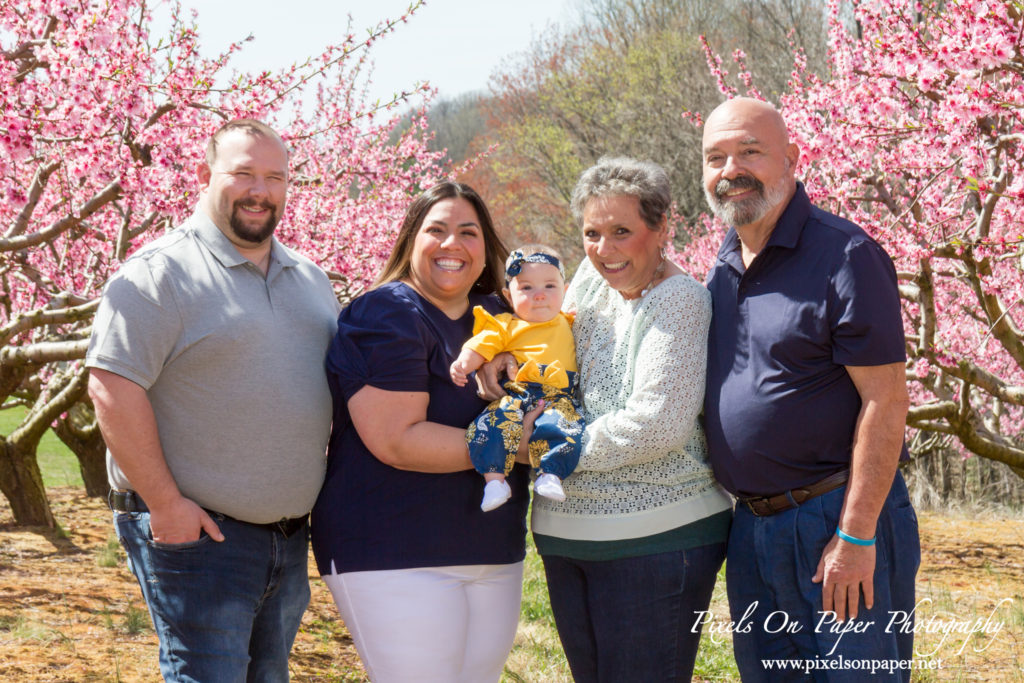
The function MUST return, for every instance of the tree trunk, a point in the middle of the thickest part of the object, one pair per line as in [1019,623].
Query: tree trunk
[22,485]
[942,479]
[958,474]
[87,445]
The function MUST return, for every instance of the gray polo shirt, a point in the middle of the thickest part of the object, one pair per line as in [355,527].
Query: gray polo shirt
[233,364]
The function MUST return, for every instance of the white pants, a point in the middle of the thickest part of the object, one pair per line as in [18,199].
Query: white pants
[443,624]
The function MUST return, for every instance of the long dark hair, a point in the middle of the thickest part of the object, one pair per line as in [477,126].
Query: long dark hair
[490,281]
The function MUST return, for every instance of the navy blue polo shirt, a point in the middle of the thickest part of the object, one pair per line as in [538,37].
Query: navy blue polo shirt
[780,407]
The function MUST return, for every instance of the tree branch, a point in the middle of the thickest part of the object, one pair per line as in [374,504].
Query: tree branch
[39,418]
[23,53]
[46,316]
[165,108]
[988,445]
[972,374]
[926,299]
[1001,325]
[125,235]
[44,352]
[936,427]
[909,292]
[102,198]
[931,411]
[35,193]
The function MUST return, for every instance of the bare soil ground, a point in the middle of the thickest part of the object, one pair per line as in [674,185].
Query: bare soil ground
[64,616]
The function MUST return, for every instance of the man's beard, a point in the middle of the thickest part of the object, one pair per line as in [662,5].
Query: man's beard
[750,209]
[260,233]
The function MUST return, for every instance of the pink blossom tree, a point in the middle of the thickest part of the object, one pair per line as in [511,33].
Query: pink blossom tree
[917,134]
[102,125]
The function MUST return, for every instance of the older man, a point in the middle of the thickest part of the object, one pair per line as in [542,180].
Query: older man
[805,406]
[207,375]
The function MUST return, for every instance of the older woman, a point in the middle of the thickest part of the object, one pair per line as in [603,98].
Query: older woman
[632,554]
[428,584]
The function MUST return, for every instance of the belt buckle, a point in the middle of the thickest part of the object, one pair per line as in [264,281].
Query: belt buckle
[759,506]
[287,527]
[126,500]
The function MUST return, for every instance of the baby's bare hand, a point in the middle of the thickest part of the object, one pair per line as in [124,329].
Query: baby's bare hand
[458,374]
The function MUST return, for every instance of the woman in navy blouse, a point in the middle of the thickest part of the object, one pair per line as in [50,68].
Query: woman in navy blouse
[428,584]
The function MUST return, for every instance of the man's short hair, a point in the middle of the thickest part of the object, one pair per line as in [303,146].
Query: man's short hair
[249,126]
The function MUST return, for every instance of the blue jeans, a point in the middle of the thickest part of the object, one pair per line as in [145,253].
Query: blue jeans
[224,612]
[768,577]
[632,619]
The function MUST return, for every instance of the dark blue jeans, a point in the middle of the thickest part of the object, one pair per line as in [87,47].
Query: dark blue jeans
[768,576]
[632,619]
[225,612]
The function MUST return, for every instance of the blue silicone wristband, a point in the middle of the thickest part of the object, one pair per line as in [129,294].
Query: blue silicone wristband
[853,539]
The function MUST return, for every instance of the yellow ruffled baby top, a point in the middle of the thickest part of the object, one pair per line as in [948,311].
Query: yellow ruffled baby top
[547,344]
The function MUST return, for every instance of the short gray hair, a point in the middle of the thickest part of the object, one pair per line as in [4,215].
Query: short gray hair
[623,176]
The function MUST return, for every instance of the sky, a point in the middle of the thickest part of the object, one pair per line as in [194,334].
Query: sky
[453,44]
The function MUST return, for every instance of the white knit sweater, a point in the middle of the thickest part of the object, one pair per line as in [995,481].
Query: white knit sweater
[644,465]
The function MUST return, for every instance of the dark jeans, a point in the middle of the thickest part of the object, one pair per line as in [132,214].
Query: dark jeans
[632,619]
[768,576]
[224,612]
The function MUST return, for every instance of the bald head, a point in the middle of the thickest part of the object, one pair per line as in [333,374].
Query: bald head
[748,113]
[749,163]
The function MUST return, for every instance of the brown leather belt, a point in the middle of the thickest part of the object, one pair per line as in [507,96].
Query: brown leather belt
[763,506]
[130,501]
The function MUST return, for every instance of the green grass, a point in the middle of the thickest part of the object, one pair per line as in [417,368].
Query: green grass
[136,620]
[715,661]
[537,653]
[21,628]
[109,555]
[58,464]
[327,631]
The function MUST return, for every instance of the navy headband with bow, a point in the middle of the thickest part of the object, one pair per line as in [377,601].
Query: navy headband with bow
[515,261]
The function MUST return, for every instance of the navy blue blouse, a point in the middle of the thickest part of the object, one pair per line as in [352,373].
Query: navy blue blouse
[371,516]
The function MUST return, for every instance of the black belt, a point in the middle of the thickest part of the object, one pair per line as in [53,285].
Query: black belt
[130,501]
[763,506]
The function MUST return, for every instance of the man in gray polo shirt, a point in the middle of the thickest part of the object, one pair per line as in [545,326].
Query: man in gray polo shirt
[207,375]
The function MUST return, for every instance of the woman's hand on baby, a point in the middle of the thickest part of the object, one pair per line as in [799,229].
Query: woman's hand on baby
[490,376]
[523,456]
